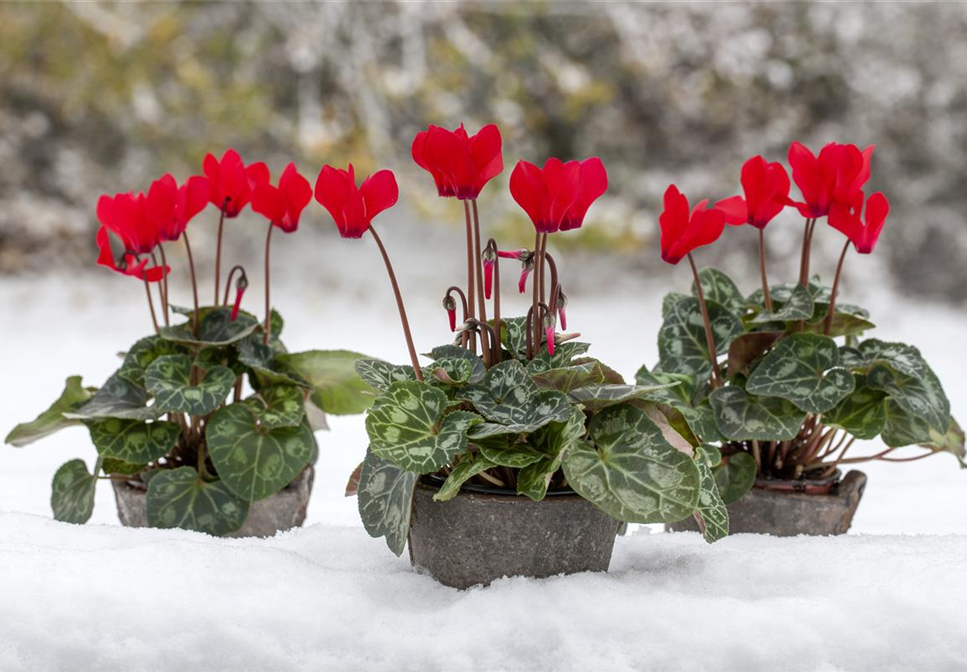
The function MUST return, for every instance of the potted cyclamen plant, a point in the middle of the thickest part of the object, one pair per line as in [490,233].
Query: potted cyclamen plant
[784,381]
[173,433]
[522,459]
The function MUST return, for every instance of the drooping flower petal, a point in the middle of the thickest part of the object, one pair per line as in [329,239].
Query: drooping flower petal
[353,208]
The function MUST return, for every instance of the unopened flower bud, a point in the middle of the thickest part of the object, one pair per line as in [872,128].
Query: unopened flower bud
[450,305]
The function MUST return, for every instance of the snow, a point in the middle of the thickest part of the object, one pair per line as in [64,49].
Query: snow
[329,597]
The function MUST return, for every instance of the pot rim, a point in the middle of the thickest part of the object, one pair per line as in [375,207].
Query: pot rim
[435,482]
[804,486]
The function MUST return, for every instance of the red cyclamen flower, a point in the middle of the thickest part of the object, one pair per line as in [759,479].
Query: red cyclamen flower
[766,187]
[283,205]
[126,264]
[682,230]
[557,197]
[353,208]
[460,164]
[171,207]
[231,182]
[862,233]
[834,176]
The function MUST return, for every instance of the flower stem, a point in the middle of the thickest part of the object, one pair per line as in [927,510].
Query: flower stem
[470,289]
[498,352]
[709,338]
[533,326]
[762,270]
[154,318]
[832,298]
[399,304]
[804,255]
[164,268]
[194,282]
[477,255]
[463,299]
[218,254]
[268,309]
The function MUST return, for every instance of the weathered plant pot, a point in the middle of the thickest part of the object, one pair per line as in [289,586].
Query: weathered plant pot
[483,534]
[282,511]
[789,508]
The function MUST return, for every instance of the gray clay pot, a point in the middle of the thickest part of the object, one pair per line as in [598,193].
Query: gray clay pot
[282,511]
[479,536]
[787,513]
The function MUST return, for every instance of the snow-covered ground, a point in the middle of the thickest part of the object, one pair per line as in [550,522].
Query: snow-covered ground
[327,596]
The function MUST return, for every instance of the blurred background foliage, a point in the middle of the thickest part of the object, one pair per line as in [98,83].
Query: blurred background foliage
[100,96]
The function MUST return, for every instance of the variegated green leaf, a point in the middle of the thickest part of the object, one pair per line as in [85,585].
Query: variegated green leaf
[72,492]
[215,327]
[143,353]
[261,360]
[169,380]
[804,369]
[597,397]
[720,288]
[843,324]
[904,358]
[133,441]
[53,419]
[742,417]
[568,378]
[442,352]
[379,375]
[278,406]
[668,302]
[181,498]
[509,453]
[513,335]
[862,413]
[735,476]
[682,346]
[385,499]
[469,467]
[449,371]
[563,354]
[408,425]
[112,466]
[336,387]
[951,442]
[797,305]
[921,396]
[711,514]
[508,397]
[533,480]
[903,428]
[782,293]
[253,461]
[628,470]
[117,398]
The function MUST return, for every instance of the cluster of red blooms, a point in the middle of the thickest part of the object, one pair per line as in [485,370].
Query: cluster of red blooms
[831,186]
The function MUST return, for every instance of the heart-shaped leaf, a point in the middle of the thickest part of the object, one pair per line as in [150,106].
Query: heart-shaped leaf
[563,354]
[513,335]
[749,347]
[143,353]
[253,461]
[533,480]
[506,451]
[711,514]
[72,492]
[512,403]
[720,288]
[181,498]
[408,425]
[469,467]
[336,387]
[569,378]
[798,305]
[379,375]
[862,413]
[741,417]
[278,406]
[215,327]
[921,396]
[449,371]
[904,358]
[112,466]
[903,428]
[597,397]
[784,292]
[843,324]
[133,441]
[53,419]
[735,476]
[444,352]
[169,380]
[117,399]
[668,302]
[386,500]
[804,369]
[682,346]
[627,469]
[260,358]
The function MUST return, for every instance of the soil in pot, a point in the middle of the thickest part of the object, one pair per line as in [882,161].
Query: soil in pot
[789,508]
[483,534]
[282,511]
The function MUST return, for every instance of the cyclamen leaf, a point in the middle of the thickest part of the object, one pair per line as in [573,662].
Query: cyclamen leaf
[112,466]
[117,399]
[534,479]
[843,324]
[668,302]
[336,387]
[449,371]
[862,413]
[133,441]
[682,346]
[462,473]
[72,492]
[904,358]
[379,375]
[804,369]
[215,327]
[720,288]
[278,406]
[454,352]
[749,347]
[53,419]
[386,500]
[255,462]
[408,425]
[143,353]
[628,470]
[563,354]
[513,335]
[711,514]
[597,397]
[784,292]
[735,476]
[508,396]
[740,417]
[514,455]
[903,428]
[181,498]
[568,378]
[798,306]
[951,442]
[169,380]
[263,361]
[921,396]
